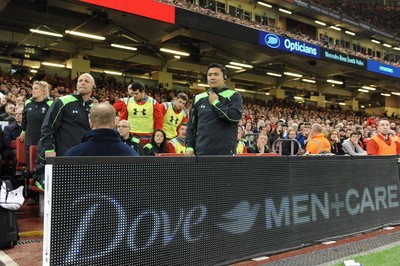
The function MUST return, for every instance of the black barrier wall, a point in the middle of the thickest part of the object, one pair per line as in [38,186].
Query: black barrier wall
[208,210]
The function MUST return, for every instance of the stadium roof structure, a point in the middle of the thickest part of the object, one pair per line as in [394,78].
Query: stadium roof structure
[189,32]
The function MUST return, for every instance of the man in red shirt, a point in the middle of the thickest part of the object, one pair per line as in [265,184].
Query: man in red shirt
[143,113]
[382,144]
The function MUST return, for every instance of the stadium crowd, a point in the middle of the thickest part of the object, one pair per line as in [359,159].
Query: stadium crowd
[376,14]
[261,125]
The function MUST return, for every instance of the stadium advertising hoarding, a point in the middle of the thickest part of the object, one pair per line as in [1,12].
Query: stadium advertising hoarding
[286,44]
[383,69]
[208,210]
[342,58]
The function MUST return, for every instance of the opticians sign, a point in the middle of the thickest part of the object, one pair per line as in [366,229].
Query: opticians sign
[274,41]
[383,69]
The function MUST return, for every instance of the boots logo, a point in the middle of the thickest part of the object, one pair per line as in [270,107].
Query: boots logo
[272,41]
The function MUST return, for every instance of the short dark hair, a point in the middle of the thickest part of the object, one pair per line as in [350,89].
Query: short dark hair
[137,85]
[182,96]
[223,69]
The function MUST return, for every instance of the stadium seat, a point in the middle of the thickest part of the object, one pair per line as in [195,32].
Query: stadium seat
[20,163]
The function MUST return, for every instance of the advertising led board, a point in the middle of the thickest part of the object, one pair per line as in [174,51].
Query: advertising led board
[275,41]
[146,8]
[383,69]
[208,210]
[342,58]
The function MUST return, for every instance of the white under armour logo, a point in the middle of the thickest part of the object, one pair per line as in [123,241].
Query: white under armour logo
[202,106]
[74,111]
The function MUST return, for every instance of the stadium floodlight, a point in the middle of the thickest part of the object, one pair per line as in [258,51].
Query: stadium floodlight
[123,47]
[241,65]
[342,104]
[335,28]
[397,48]
[274,74]
[234,67]
[285,11]
[320,22]
[333,81]
[264,4]
[368,88]
[85,35]
[293,74]
[113,72]
[52,64]
[242,90]
[387,45]
[202,85]
[309,80]
[375,41]
[298,98]
[45,32]
[396,93]
[385,94]
[362,90]
[350,33]
[166,50]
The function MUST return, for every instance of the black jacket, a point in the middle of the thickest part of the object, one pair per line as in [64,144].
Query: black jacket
[101,142]
[212,129]
[65,123]
[135,144]
[32,119]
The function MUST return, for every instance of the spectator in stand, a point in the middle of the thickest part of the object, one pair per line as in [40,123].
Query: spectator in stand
[351,145]
[318,143]
[9,114]
[287,145]
[334,140]
[11,133]
[382,144]
[102,140]
[241,143]
[177,144]
[372,121]
[248,133]
[123,128]
[214,116]
[33,115]
[261,146]
[277,133]
[303,136]
[157,144]
[143,113]
[174,115]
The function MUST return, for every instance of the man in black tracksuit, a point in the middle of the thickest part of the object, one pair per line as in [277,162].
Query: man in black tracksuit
[65,123]
[214,116]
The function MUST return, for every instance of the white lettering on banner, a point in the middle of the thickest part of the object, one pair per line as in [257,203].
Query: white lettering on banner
[160,221]
[305,207]
[299,47]
[386,69]
[148,228]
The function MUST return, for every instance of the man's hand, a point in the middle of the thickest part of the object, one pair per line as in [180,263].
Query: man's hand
[212,96]
[22,137]
[50,154]
[189,153]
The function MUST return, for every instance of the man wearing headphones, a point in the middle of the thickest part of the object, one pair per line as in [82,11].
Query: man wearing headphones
[214,116]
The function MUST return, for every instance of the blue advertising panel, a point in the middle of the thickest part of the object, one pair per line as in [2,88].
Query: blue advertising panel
[383,69]
[290,45]
[342,58]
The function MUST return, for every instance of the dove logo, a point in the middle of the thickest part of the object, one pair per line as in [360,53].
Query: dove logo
[240,219]
[272,41]
[146,229]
